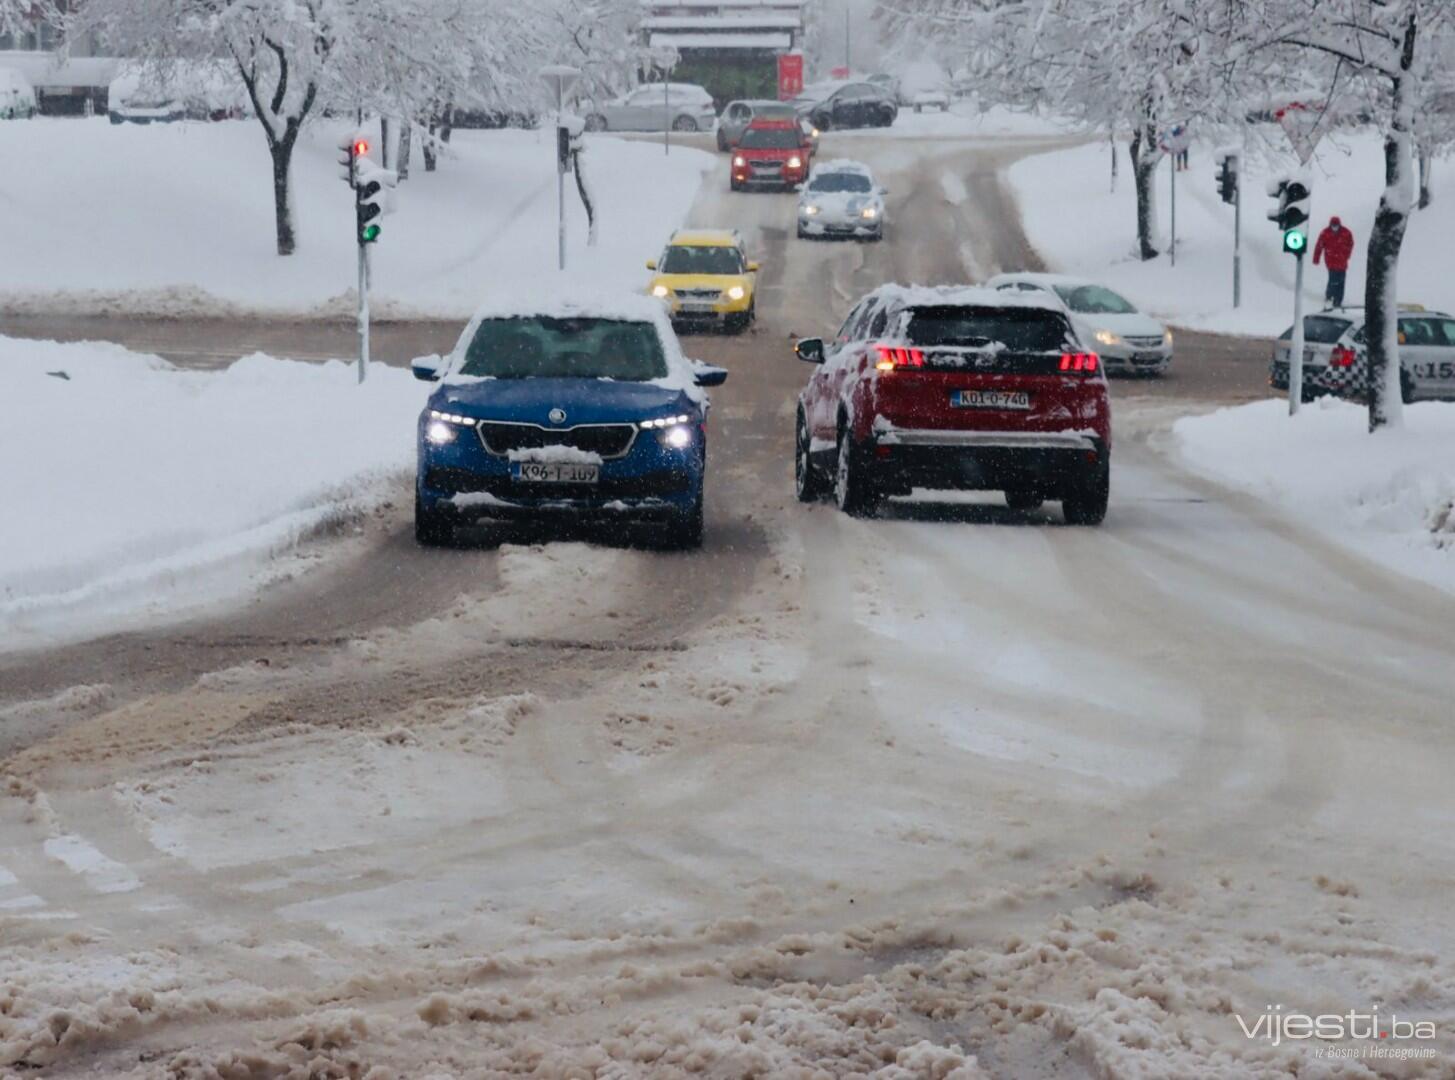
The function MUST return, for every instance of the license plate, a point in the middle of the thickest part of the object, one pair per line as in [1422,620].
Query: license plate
[1146,358]
[991,399]
[696,307]
[551,472]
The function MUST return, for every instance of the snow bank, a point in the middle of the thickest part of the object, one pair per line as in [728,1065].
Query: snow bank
[140,475]
[1080,226]
[963,119]
[197,234]
[1389,496]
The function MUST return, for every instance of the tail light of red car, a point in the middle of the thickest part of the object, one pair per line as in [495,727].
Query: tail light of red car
[1085,363]
[897,356]
[1342,356]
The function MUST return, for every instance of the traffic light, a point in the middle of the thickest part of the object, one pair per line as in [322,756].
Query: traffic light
[368,200]
[351,149]
[1291,213]
[1228,178]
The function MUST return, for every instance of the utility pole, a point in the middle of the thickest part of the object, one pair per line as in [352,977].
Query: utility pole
[1291,214]
[848,52]
[1230,190]
[560,78]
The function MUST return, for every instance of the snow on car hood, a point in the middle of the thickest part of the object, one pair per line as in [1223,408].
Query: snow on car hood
[583,303]
[584,401]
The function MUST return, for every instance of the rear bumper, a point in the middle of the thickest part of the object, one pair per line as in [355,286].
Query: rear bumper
[1319,380]
[1047,462]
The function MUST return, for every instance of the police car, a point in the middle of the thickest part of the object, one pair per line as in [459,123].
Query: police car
[1336,354]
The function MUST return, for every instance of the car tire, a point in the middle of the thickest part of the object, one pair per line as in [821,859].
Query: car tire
[684,532]
[596,122]
[808,483]
[801,234]
[1406,388]
[1022,499]
[823,123]
[431,529]
[684,124]
[722,143]
[1086,505]
[854,494]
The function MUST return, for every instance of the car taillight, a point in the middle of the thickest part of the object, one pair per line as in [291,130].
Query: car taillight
[1342,356]
[1079,361]
[896,356]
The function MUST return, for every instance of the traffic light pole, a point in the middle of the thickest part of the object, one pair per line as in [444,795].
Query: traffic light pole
[1295,346]
[1173,159]
[363,310]
[1238,238]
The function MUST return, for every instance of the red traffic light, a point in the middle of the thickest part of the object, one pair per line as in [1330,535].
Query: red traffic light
[361,148]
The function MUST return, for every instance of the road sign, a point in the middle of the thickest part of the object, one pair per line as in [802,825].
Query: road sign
[1175,139]
[790,75]
[1300,123]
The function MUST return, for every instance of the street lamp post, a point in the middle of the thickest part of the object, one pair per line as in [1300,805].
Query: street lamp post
[560,78]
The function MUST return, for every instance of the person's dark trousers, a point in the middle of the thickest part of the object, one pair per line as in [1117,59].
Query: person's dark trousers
[1334,294]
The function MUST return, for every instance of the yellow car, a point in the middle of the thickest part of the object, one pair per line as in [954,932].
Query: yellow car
[705,277]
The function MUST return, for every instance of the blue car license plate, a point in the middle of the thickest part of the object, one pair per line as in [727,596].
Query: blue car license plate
[555,472]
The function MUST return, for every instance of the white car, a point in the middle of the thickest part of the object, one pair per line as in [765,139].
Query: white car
[1105,321]
[840,198]
[932,99]
[1336,354]
[656,107]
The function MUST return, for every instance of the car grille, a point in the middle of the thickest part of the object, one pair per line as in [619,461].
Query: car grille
[1145,342]
[698,294]
[659,483]
[766,168]
[608,440]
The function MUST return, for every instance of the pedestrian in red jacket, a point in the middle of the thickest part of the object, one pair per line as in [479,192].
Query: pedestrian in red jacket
[1337,243]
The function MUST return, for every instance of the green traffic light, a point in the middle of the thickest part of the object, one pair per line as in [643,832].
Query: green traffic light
[371,233]
[1295,241]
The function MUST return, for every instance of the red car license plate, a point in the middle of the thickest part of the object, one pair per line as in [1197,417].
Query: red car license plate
[991,399]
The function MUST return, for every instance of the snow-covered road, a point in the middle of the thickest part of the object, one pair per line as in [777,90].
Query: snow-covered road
[935,795]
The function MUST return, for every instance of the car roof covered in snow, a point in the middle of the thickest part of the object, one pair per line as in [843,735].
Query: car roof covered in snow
[706,238]
[1044,279]
[582,303]
[959,296]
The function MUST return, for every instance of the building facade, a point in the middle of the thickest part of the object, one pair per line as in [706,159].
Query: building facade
[731,47]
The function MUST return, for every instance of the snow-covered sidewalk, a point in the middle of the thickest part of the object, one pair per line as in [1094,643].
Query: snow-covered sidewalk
[186,223]
[1389,496]
[1080,226]
[146,487]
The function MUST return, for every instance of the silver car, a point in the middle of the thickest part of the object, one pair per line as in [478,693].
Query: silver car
[738,115]
[1336,355]
[655,107]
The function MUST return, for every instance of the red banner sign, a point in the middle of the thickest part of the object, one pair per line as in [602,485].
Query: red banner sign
[790,75]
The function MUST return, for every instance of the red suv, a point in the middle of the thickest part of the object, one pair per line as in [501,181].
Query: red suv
[954,387]
[771,153]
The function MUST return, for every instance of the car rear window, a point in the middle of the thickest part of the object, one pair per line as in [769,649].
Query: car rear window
[771,138]
[1016,329]
[542,347]
[1319,330]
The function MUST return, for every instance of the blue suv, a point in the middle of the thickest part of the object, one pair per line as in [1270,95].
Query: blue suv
[575,409]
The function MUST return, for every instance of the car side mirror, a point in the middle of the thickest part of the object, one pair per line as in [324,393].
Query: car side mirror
[707,375]
[809,349]
[752,268]
[651,264]
[427,368]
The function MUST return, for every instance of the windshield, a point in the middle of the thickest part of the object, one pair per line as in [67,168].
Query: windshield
[1093,300]
[841,181]
[1319,330]
[541,347]
[713,259]
[771,139]
[1018,329]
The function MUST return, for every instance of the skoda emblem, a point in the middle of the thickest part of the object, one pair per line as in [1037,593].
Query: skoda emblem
[557,416]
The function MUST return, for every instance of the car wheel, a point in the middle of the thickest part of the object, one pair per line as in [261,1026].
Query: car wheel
[852,490]
[801,234]
[722,143]
[596,122]
[684,532]
[431,529]
[808,483]
[823,123]
[1023,500]
[684,123]
[1087,504]
[1406,388]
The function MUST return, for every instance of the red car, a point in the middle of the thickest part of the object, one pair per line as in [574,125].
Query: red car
[771,153]
[954,387]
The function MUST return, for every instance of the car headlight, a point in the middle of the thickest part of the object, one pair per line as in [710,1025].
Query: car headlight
[439,433]
[678,437]
[664,422]
[737,292]
[810,210]
[814,133]
[795,162]
[660,291]
[869,213]
[1167,338]
[1107,337]
[739,162]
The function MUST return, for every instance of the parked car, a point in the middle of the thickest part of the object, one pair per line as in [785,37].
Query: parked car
[17,96]
[849,105]
[182,90]
[1336,355]
[704,277]
[890,84]
[841,198]
[1127,340]
[932,99]
[576,408]
[954,388]
[770,153]
[737,115]
[655,107]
